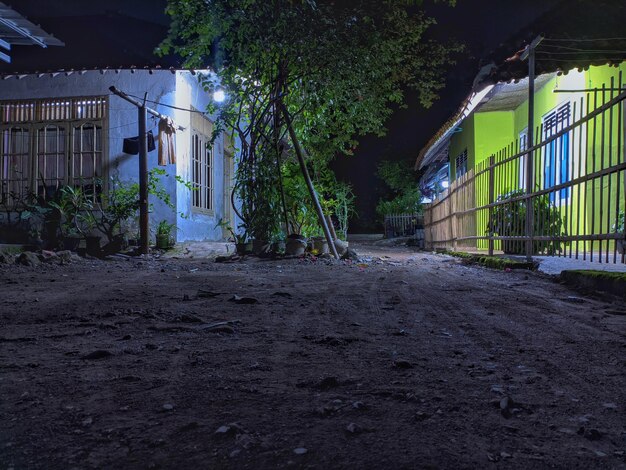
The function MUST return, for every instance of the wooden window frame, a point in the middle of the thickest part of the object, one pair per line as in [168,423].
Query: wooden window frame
[68,114]
[202,170]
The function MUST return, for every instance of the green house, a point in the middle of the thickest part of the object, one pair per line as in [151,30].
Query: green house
[480,157]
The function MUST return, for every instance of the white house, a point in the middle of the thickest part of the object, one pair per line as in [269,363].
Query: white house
[60,123]
[66,127]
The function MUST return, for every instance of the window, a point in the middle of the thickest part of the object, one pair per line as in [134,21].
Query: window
[461,164]
[15,163]
[87,152]
[46,144]
[523,145]
[201,163]
[556,154]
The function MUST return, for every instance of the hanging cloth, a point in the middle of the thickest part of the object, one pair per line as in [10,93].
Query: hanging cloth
[131,144]
[167,153]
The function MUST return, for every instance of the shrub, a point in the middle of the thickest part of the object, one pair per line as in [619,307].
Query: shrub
[509,220]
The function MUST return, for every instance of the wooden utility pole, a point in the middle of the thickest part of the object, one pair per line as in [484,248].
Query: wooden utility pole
[529,54]
[144,227]
[309,183]
[143,110]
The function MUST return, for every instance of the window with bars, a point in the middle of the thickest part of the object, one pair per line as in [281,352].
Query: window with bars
[201,171]
[523,146]
[46,144]
[556,154]
[461,164]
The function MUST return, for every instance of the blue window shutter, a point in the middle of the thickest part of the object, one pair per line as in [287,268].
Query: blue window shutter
[564,164]
[550,164]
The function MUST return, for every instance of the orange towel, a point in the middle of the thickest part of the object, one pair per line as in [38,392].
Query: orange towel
[167,152]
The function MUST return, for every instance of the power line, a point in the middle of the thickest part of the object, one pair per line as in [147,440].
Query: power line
[583,40]
[579,53]
[578,49]
[605,59]
[170,106]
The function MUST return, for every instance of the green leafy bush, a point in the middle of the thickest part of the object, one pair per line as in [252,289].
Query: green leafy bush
[509,220]
[404,194]
[618,227]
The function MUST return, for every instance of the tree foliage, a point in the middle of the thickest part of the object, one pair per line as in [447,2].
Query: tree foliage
[337,66]
[401,182]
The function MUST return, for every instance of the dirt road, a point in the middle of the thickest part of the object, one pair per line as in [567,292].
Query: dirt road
[411,361]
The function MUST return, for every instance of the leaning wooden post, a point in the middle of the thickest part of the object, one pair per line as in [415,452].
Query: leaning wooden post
[143,110]
[329,220]
[492,164]
[309,183]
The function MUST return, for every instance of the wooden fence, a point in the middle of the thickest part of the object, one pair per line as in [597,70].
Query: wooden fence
[577,179]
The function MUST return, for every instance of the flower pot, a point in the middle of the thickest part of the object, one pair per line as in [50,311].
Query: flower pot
[93,245]
[243,248]
[341,246]
[278,247]
[71,243]
[260,247]
[295,246]
[320,245]
[162,241]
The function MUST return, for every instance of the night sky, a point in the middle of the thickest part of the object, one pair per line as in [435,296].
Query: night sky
[482,25]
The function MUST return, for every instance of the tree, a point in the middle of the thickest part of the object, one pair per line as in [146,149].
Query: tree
[401,181]
[338,67]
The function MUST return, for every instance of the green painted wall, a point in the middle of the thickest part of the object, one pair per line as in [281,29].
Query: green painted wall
[600,198]
[493,131]
[482,134]
[461,140]
[486,133]
[545,101]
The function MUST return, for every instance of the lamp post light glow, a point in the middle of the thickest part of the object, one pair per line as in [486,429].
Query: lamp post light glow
[219,96]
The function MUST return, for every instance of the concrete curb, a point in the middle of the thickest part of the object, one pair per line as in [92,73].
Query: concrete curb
[591,280]
[493,262]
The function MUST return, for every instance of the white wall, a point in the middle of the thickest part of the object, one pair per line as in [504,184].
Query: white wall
[164,87]
[195,225]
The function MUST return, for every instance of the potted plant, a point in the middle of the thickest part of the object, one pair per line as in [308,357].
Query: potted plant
[72,205]
[261,226]
[319,245]
[243,245]
[618,228]
[278,242]
[164,235]
[296,244]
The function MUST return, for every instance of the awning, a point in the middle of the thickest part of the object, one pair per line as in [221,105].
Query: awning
[15,30]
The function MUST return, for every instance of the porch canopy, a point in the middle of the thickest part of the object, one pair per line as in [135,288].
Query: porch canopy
[498,97]
[15,30]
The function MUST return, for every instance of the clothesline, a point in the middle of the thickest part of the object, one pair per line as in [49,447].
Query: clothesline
[139,104]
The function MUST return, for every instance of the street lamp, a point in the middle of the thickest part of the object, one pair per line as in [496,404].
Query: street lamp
[219,95]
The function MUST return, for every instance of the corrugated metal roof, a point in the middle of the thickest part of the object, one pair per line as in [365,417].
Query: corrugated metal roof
[18,31]
[588,26]
[101,70]
[107,41]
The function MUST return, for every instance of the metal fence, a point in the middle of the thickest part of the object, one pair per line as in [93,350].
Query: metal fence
[404,225]
[576,204]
